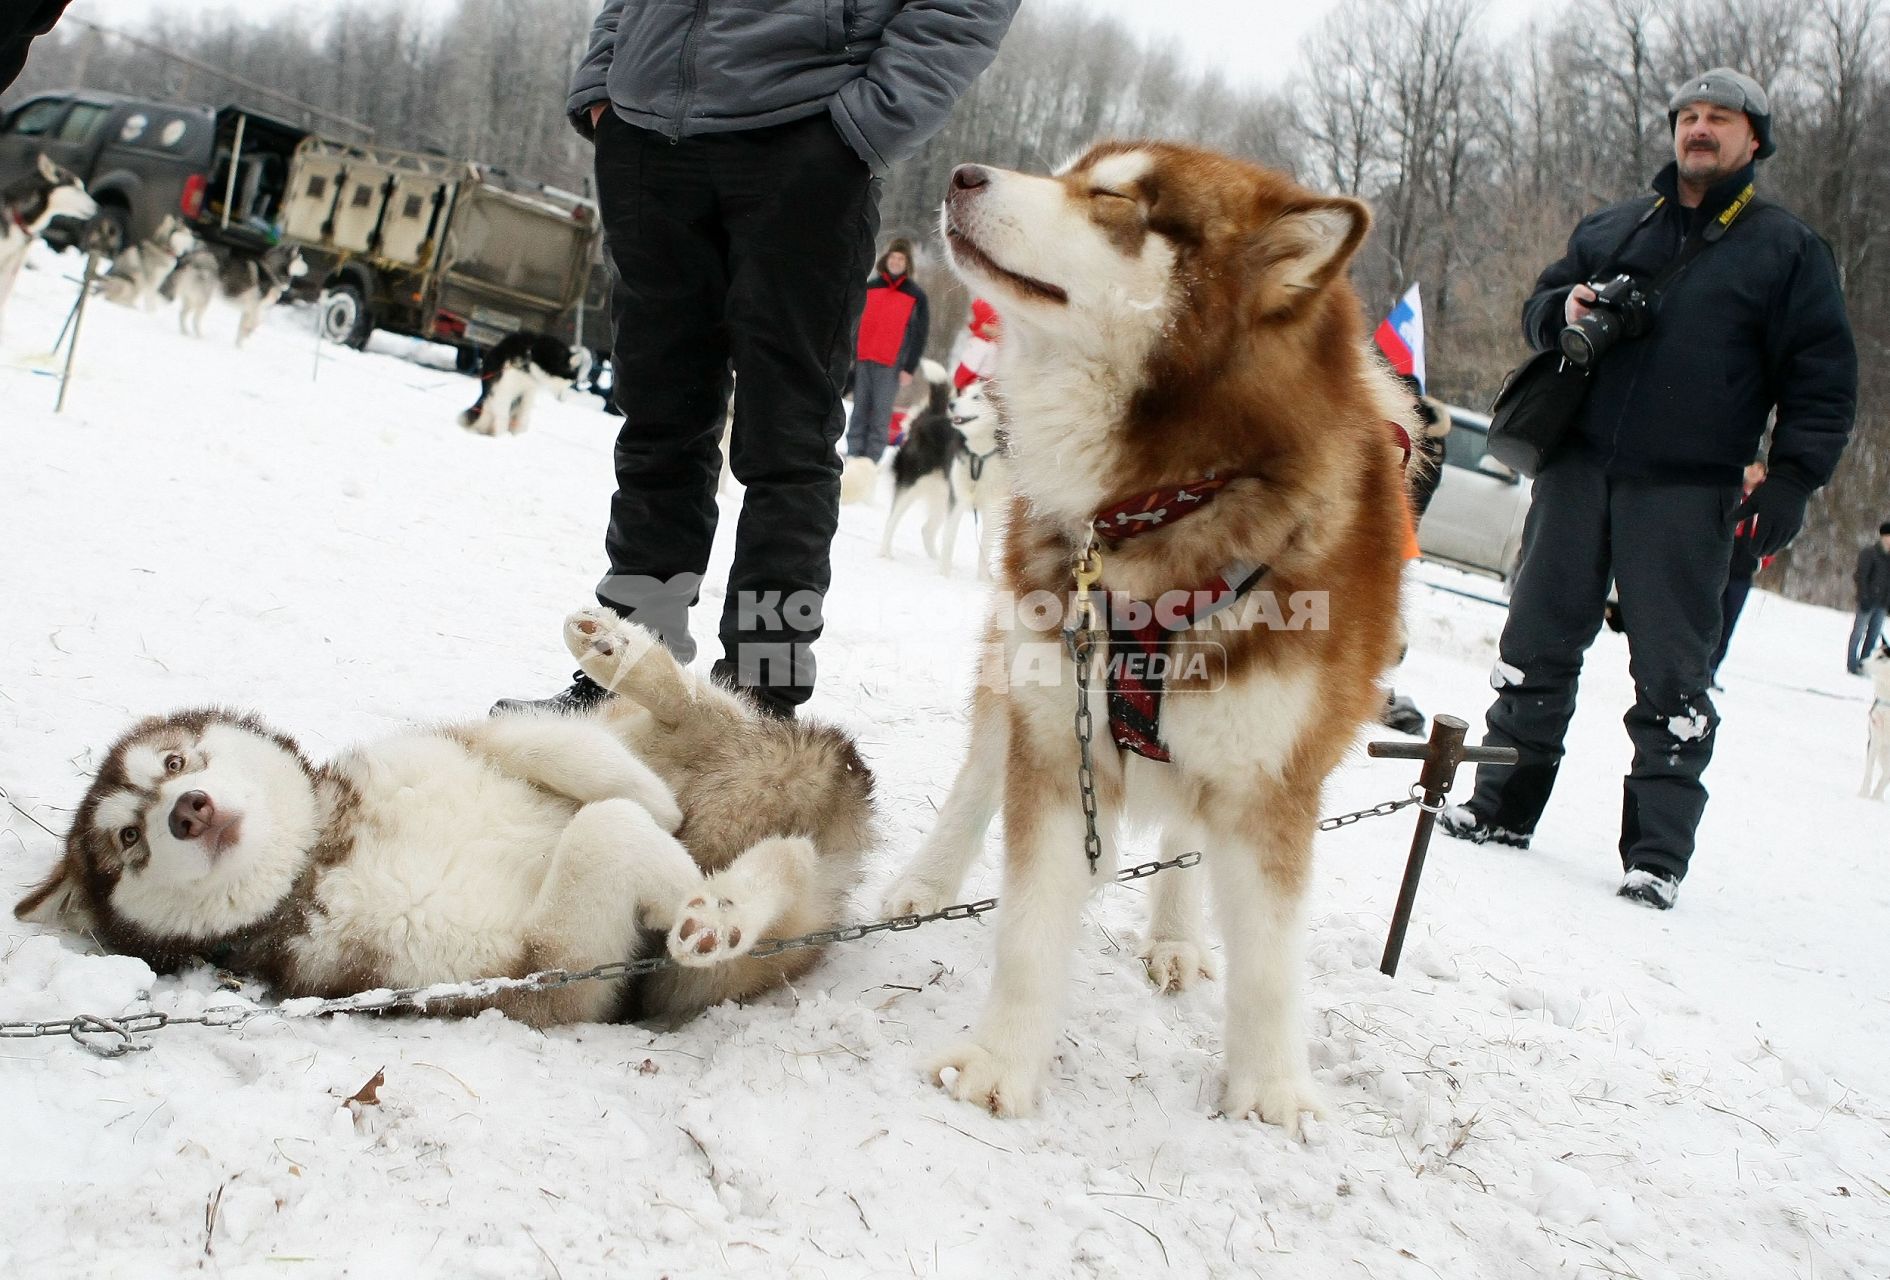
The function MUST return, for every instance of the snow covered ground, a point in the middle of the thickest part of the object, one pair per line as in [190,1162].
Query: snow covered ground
[1558,1083]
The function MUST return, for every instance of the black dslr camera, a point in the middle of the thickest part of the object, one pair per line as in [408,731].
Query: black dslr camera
[1620,310]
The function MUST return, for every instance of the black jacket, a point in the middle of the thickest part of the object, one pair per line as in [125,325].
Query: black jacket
[1755,322]
[1872,577]
[20,21]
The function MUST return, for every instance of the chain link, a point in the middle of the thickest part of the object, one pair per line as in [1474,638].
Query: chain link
[115,1037]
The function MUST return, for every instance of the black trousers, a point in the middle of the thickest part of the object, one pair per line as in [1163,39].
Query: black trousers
[747,250]
[1668,548]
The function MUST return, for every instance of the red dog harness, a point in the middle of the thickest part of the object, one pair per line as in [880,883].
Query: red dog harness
[1136,674]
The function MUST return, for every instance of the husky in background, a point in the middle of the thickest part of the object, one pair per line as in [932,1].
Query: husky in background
[922,466]
[1877,753]
[253,284]
[26,206]
[675,817]
[140,271]
[981,478]
[515,370]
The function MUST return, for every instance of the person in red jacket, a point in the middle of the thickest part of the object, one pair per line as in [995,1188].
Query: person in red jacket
[893,330]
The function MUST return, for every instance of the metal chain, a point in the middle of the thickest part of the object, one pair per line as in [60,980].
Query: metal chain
[1080,639]
[115,1037]
[1080,645]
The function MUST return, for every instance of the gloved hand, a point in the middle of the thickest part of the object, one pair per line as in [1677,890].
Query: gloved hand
[1779,507]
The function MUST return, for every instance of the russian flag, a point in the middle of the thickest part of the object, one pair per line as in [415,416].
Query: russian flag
[1401,336]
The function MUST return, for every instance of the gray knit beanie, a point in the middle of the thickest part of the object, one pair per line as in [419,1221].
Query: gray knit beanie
[1734,90]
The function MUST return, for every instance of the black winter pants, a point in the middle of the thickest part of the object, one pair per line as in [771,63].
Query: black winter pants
[750,249]
[1668,548]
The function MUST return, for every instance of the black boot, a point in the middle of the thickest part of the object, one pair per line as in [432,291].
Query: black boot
[1401,713]
[764,698]
[583,695]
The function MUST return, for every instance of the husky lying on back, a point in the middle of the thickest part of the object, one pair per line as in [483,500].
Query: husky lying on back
[515,369]
[140,271]
[253,284]
[674,815]
[26,206]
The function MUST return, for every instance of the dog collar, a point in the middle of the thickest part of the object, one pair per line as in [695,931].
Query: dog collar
[979,459]
[1403,438]
[1156,509]
[13,216]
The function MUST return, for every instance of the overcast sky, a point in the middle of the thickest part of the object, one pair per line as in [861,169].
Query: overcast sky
[1247,40]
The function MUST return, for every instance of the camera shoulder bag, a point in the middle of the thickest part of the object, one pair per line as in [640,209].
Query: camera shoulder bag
[1540,398]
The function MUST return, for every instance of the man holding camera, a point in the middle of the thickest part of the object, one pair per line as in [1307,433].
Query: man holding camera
[1700,312]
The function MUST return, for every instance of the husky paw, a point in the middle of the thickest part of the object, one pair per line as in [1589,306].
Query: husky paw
[913,895]
[1275,1101]
[1001,1086]
[605,646]
[710,930]
[1175,964]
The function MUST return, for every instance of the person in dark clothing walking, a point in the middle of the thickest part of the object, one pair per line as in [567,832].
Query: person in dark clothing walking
[1646,489]
[1872,578]
[739,154]
[894,327]
[21,21]
[1745,566]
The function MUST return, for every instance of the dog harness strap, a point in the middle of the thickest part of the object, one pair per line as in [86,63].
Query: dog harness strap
[1156,509]
[979,459]
[1404,440]
[1136,675]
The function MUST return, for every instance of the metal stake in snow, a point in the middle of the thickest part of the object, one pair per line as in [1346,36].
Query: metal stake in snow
[75,319]
[1441,756]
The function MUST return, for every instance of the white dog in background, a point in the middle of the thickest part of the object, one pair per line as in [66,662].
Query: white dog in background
[1877,754]
[981,478]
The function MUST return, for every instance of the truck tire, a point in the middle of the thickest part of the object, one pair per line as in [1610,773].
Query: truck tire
[110,230]
[343,315]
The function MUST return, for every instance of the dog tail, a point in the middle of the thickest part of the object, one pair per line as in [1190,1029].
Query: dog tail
[939,399]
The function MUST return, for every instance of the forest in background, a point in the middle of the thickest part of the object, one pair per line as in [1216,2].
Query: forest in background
[1477,152]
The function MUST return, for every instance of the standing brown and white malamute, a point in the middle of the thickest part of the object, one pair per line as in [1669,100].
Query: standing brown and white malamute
[1185,392]
[674,816]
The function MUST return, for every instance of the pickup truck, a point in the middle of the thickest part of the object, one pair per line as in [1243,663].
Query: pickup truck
[221,169]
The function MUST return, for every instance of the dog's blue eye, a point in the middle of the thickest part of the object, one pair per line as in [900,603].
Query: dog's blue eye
[173,763]
[129,836]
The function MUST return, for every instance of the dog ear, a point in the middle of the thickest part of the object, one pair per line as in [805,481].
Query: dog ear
[59,900]
[47,169]
[1303,248]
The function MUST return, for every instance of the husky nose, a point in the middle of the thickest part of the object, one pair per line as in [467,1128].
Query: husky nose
[192,815]
[969,177]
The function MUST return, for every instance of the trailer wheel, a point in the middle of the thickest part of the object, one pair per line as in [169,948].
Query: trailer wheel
[343,316]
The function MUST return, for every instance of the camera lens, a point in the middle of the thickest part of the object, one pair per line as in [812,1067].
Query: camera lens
[1588,338]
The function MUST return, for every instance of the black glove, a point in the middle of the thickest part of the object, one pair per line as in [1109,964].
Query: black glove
[1777,509]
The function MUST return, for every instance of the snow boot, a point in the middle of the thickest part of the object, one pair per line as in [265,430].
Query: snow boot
[583,695]
[1462,822]
[1649,886]
[1401,714]
[764,698]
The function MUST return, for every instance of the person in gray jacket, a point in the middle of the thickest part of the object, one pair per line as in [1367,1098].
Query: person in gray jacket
[739,154]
